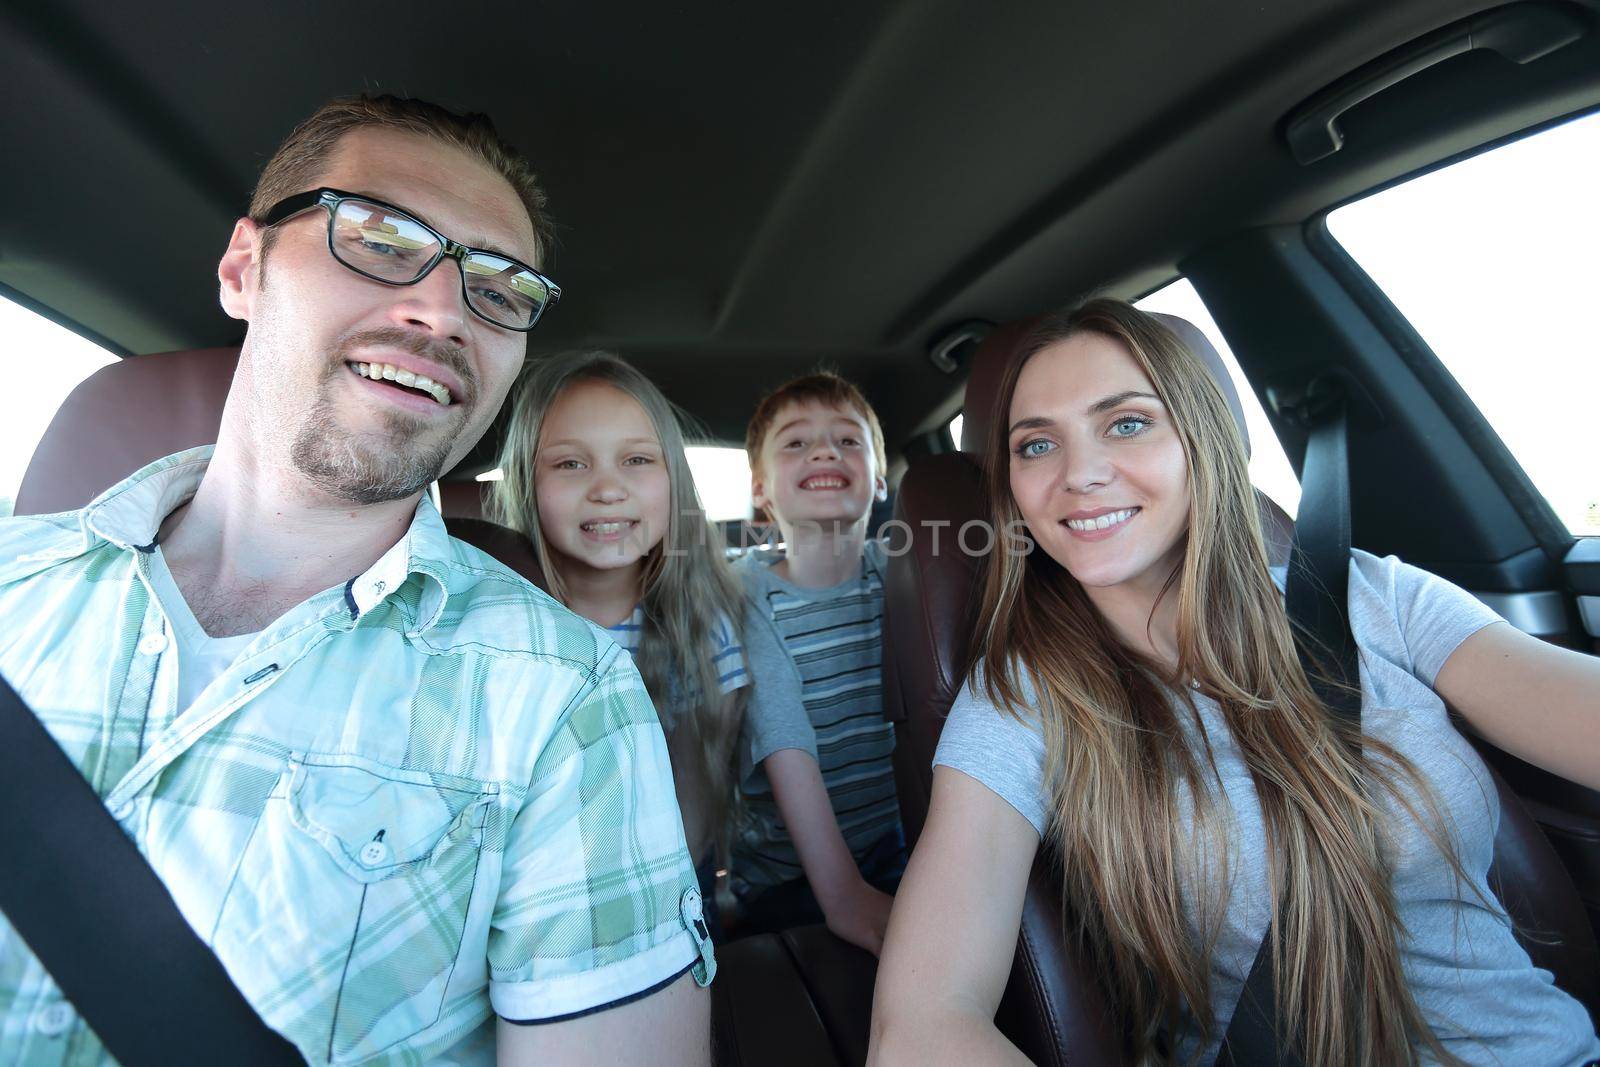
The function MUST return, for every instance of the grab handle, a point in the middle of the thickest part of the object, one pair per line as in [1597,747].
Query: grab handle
[1521,33]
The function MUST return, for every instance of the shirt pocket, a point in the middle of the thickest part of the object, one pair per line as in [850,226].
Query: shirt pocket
[348,911]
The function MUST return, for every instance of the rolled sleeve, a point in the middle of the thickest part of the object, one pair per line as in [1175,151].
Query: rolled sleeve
[593,898]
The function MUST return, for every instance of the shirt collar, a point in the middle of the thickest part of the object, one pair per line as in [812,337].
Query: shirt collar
[424,551]
[130,513]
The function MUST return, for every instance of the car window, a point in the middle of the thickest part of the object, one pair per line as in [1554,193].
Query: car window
[1492,260]
[722,478]
[953,428]
[1270,471]
[57,360]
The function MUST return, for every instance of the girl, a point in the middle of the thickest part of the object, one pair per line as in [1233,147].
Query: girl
[596,477]
[1137,703]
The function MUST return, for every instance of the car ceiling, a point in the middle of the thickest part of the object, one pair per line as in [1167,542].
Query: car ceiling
[742,192]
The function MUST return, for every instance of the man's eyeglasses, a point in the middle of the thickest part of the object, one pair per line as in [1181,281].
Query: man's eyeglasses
[384,243]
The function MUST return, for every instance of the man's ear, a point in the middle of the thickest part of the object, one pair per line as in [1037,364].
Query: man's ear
[880,488]
[239,272]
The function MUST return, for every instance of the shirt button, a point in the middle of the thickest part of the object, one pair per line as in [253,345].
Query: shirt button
[692,906]
[374,854]
[153,644]
[54,1020]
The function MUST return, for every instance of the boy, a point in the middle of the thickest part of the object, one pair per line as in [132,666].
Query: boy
[820,834]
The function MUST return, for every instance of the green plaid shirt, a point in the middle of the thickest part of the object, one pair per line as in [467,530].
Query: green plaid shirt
[418,798]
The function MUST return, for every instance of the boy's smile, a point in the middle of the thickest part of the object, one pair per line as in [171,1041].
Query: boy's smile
[817,466]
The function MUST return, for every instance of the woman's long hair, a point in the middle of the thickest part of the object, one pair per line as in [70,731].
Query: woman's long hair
[1124,781]
[687,589]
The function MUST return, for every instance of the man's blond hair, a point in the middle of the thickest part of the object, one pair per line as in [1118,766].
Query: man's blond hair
[304,155]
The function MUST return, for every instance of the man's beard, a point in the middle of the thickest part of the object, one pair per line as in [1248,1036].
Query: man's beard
[374,467]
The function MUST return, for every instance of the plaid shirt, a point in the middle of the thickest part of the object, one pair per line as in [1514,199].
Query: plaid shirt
[416,795]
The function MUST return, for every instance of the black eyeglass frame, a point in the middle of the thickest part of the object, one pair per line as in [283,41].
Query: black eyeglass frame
[290,206]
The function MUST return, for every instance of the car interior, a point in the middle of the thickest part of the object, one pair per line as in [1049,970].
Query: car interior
[895,190]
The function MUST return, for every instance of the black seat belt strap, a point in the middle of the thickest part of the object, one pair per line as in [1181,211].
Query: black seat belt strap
[1317,597]
[78,891]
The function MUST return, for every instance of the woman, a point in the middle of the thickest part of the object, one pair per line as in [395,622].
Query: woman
[1137,702]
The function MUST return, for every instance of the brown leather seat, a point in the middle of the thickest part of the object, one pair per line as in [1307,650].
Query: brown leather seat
[1053,1008]
[801,997]
[121,417]
[462,499]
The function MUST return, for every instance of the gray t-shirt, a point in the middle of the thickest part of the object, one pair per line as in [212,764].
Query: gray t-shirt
[1473,982]
[816,662]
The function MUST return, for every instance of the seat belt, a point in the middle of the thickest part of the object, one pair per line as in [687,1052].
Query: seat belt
[78,891]
[1317,599]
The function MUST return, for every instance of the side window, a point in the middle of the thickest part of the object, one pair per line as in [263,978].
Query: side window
[1269,466]
[953,428]
[722,478]
[1492,260]
[56,361]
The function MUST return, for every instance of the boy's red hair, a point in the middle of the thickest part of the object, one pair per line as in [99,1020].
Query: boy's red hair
[822,387]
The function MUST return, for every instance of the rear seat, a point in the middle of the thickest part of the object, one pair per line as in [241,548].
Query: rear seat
[802,997]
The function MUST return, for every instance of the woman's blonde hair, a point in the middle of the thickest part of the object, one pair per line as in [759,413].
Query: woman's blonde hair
[1119,764]
[688,592]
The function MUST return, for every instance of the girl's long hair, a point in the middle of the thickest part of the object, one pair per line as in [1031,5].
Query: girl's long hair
[1132,817]
[687,589]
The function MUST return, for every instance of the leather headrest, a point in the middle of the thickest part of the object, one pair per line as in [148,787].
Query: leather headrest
[996,352]
[122,417]
[983,386]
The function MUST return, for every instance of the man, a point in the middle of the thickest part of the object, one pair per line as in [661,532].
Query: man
[391,784]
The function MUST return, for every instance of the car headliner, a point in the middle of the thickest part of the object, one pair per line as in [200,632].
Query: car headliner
[742,191]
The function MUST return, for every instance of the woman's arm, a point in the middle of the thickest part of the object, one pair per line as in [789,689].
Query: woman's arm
[953,934]
[855,911]
[1536,701]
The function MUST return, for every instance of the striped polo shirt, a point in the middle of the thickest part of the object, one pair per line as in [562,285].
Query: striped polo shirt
[833,639]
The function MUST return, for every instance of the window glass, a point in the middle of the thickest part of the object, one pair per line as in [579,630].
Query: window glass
[722,478]
[955,429]
[1269,467]
[51,360]
[1493,262]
